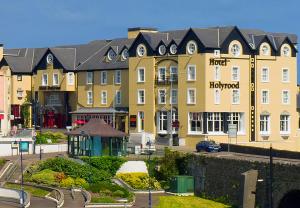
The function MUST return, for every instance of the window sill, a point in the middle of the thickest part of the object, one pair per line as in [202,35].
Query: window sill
[285,133]
[195,134]
[265,133]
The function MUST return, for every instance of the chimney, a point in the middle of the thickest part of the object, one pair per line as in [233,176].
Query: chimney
[1,51]
[134,31]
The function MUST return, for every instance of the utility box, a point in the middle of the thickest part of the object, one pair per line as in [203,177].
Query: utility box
[182,185]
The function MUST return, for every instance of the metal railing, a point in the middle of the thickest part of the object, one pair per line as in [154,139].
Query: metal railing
[166,80]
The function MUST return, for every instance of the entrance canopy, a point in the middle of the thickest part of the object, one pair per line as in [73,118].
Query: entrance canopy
[97,127]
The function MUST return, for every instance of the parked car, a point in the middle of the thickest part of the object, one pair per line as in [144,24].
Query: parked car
[208,146]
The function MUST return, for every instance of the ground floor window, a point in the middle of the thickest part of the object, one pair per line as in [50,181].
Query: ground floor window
[174,121]
[284,123]
[162,122]
[195,122]
[265,124]
[215,122]
[238,120]
[141,121]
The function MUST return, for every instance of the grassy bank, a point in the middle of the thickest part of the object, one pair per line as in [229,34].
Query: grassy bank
[32,190]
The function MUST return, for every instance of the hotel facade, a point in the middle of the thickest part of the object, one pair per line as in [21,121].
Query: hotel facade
[188,84]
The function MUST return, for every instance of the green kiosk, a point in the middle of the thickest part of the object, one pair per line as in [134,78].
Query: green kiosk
[96,138]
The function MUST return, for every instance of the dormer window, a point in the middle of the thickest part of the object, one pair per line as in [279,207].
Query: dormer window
[125,54]
[162,50]
[265,50]
[173,49]
[285,51]
[191,47]
[49,58]
[141,50]
[235,49]
[111,54]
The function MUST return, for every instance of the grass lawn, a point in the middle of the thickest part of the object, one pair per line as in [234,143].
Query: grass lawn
[187,202]
[32,190]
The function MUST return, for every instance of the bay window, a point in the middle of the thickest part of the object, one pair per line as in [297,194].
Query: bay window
[195,123]
[264,124]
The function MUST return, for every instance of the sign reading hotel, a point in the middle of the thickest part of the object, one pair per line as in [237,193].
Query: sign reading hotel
[218,61]
[222,86]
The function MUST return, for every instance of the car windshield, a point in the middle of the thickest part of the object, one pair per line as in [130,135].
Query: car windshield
[212,142]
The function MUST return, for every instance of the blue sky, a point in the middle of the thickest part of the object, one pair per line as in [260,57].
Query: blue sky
[39,23]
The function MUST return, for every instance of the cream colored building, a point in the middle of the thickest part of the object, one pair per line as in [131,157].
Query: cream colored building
[188,84]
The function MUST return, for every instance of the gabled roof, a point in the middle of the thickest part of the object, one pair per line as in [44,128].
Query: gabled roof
[97,127]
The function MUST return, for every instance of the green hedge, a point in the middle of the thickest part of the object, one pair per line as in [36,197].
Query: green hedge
[55,137]
[75,170]
[107,163]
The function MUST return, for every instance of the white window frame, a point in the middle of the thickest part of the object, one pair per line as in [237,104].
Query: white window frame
[287,124]
[213,119]
[141,121]
[283,76]
[189,51]
[160,97]
[138,96]
[104,97]
[267,124]
[173,76]
[199,120]
[232,96]
[160,75]
[262,74]
[217,73]
[118,97]
[53,79]
[288,98]
[102,80]
[217,96]
[189,77]
[172,96]
[189,98]
[118,77]
[238,119]
[44,82]
[89,77]
[71,78]
[89,99]
[237,78]
[141,69]
[262,96]
[165,117]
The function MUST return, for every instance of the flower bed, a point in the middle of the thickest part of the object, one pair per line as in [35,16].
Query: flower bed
[139,180]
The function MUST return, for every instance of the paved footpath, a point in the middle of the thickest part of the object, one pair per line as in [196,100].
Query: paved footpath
[142,200]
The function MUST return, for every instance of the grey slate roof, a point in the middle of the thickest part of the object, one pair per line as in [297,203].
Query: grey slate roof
[92,56]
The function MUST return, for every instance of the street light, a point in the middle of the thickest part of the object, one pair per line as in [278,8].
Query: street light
[22,179]
[149,185]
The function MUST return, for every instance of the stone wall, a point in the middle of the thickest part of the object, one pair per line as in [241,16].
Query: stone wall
[221,177]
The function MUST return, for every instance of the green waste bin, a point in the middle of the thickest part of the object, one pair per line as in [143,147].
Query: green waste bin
[182,184]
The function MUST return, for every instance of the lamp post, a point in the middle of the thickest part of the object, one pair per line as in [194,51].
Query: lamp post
[22,179]
[89,148]
[149,185]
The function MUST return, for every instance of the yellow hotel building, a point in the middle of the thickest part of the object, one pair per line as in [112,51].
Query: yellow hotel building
[188,84]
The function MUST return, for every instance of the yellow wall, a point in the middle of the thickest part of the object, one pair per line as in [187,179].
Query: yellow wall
[25,85]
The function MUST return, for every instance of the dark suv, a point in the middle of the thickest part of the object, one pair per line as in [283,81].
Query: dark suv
[208,146]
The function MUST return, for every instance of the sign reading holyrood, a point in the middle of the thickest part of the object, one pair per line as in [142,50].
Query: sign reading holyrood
[224,85]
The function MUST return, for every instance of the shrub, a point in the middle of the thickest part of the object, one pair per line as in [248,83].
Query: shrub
[139,180]
[67,183]
[2,162]
[45,176]
[107,163]
[118,193]
[42,138]
[80,182]
[60,176]
[102,200]
[75,170]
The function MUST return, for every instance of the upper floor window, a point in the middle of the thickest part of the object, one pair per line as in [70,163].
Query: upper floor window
[285,50]
[103,97]
[49,58]
[235,49]
[118,77]
[174,96]
[285,97]
[265,75]
[173,49]
[19,77]
[265,97]
[111,54]
[70,78]
[217,74]
[173,73]
[162,73]
[191,47]
[125,54]
[191,96]
[89,77]
[141,74]
[161,96]
[141,50]
[285,75]
[55,79]
[44,79]
[235,96]
[191,73]
[265,49]
[217,95]
[103,77]
[235,74]
[141,97]
[162,49]
[19,93]
[118,97]
[89,97]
